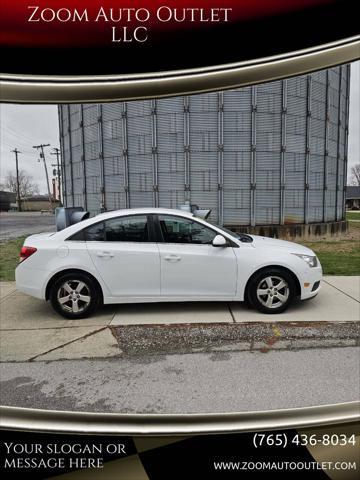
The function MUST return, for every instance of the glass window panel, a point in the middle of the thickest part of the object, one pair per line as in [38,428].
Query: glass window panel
[127,229]
[182,230]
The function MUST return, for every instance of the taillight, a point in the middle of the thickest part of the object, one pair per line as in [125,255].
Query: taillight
[26,252]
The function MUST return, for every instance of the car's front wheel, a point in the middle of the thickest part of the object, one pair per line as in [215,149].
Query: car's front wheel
[271,290]
[75,295]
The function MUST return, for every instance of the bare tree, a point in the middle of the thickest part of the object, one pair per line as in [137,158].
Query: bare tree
[355,174]
[27,186]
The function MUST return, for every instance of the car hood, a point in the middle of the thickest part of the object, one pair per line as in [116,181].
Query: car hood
[266,242]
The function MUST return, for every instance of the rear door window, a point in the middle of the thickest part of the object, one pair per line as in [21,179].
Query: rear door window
[95,233]
[127,229]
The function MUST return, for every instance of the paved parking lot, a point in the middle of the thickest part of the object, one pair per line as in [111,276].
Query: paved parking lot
[31,331]
[19,224]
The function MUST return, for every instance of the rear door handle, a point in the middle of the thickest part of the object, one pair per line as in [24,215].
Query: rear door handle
[105,254]
[172,258]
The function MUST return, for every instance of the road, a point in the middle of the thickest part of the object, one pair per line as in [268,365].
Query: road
[19,224]
[222,381]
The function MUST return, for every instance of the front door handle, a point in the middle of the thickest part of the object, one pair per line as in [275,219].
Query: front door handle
[105,254]
[172,258]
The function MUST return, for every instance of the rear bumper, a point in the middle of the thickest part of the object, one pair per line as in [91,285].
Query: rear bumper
[30,281]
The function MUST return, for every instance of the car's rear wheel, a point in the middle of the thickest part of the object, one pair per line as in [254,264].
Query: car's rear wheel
[271,290]
[75,295]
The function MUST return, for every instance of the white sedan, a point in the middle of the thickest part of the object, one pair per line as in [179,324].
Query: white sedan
[160,255]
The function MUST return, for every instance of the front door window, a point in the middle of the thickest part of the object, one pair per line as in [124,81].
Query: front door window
[183,230]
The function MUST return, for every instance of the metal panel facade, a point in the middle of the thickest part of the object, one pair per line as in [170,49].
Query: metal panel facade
[271,154]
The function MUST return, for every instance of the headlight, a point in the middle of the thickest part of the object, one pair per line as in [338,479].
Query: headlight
[312,261]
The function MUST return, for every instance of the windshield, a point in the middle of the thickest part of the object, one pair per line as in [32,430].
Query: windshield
[226,230]
[243,237]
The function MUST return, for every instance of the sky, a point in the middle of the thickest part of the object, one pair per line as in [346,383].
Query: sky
[23,126]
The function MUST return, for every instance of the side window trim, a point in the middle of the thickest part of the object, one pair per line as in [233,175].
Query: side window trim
[157,229]
[151,228]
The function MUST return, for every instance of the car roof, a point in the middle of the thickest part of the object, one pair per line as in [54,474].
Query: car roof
[145,211]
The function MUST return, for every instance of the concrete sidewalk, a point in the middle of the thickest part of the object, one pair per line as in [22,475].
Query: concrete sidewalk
[31,331]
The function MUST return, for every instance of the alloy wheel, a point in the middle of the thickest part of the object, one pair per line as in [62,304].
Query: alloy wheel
[74,296]
[272,292]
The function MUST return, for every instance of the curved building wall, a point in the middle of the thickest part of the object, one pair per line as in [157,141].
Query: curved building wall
[270,154]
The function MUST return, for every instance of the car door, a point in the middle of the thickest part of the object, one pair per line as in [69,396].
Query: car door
[190,265]
[126,256]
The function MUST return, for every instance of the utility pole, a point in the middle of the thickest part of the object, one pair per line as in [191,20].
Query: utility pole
[16,151]
[42,156]
[57,165]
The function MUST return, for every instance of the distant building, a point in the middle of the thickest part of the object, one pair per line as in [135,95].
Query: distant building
[353,198]
[36,203]
[6,200]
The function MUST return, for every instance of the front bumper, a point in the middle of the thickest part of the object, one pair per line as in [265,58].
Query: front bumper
[310,282]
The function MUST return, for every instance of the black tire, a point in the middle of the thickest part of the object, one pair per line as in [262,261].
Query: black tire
[259,283]
[87,289]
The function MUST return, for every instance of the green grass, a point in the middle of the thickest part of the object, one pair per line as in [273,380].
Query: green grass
[9,256]
[354,224]
[338,257]
[353,215]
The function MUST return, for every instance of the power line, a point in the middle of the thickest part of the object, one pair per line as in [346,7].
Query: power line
[6,145]
[20,138]
[11,131]
[17,141]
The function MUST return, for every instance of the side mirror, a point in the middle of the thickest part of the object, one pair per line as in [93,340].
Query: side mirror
[219,241]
